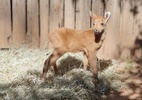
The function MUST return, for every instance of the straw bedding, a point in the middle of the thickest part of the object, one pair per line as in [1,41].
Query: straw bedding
[20,73]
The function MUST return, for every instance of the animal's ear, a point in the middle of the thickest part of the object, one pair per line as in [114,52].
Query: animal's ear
[92,15]
[107,16]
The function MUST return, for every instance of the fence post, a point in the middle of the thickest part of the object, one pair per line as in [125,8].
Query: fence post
[19,26]
[56,15]
[82,14]
[70,13]
[33,23]
[110,48]
[5,23]
[137,12]
[127,36]
[44,23]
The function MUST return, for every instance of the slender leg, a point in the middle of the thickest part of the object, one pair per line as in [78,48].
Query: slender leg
[85,62]
[51,61]
[55,69]
[45,68]
[92,62]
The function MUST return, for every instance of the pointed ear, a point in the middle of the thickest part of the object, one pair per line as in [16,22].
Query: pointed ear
[107,16]
[92,14]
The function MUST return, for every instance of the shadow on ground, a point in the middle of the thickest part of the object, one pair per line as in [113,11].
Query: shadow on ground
[133,79]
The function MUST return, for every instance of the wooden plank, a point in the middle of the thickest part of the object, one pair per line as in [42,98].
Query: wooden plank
[137,12]
[44,23]
[98,7]
[70,13]
[127,33]
[33,23]
[56,15]
[112,32]
[5,23]
[19,27]
[82,14]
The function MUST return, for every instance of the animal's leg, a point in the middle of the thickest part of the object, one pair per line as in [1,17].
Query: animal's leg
[92,62]
[51,61]
[85,62]
[55,69]
[45,68]
[57,55]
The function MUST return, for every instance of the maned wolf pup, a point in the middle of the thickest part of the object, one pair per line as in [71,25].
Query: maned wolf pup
[69,40]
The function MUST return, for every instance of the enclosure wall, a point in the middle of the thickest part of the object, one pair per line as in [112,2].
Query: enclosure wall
[30,21]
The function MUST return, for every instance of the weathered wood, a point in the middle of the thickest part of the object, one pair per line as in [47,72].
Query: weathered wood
[123,31]
[82,14]
[19,27]
[137,13]
[127,25]
[110,48]
[56,15]
[33,23]
[98,7]
[44,23]
[70,13]
[5,23]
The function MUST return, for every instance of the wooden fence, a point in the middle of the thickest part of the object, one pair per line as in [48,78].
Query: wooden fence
[30,21]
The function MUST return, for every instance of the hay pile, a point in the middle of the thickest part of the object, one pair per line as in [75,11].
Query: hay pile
[20,73]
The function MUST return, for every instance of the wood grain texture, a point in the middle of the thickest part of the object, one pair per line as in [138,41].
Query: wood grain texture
[33,23]
[56,15]
[19,27]
[110,48]
[82,14]
[5,23]
[127,29]
[44,23]
[70,13]
[98,7]
[137,13]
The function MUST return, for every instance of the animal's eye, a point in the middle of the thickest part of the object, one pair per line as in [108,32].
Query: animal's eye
[102,24]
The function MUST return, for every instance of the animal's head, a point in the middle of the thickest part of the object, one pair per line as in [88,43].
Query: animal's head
[99,22]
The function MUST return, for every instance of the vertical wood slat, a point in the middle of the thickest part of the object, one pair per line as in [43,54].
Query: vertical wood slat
[56,15]
[63,13]
[19,27]
[33,22]
[112,31]
[98,7]
[44,23]
[127,32]
[5,23]
[137,51]
[82,14]
[69,13]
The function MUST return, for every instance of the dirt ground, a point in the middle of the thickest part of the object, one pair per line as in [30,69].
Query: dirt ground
[132,74]
[20,73]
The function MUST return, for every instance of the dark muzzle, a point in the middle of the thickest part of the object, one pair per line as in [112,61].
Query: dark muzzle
[97,32]
[98,35]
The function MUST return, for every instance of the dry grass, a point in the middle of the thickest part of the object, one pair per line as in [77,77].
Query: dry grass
[20,72]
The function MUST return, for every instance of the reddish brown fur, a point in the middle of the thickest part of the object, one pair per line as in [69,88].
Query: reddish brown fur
[68,40]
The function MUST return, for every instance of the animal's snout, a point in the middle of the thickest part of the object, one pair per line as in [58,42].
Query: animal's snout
[95,31]
[98,32]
